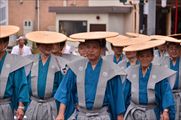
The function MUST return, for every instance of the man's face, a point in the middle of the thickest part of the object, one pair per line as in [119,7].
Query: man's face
[145,57]
[3,46]
[173,50]
[131,55]
[82,49]
[45,49]
[162,47]
[56,49]
[117,50]
[21,42]
[93,50]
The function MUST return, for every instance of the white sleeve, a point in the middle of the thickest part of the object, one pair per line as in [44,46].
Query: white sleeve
[13,50]
[29,51]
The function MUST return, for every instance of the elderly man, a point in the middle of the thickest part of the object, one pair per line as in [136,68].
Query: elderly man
[13,81]
[93,84]
[147,92]
[173,61]
[45,76]
[21,48]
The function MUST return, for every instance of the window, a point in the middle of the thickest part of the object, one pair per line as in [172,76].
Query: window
[71,27]
[3,12]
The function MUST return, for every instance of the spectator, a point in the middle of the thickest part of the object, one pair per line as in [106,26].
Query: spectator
[21,48]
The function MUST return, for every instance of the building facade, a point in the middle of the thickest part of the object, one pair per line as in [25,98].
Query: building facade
[34,15]
[111,16]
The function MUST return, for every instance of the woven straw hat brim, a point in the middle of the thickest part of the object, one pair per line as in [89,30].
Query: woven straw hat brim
[75,40]
[46,37]
[120,41]
[177,36]
[93,35]
[166,38]
[116,38]
[7,30]
[134,35]
[144,45]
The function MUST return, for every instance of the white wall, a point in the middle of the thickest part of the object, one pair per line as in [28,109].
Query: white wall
[116,23]
[105,3]
[129,24]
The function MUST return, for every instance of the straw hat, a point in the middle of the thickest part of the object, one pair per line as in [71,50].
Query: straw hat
[133,35]
[123,41]
[7,30]
[116,38]
[75,40]
[177,36]
[93,35]
[46,37]
[167,38]
[144,45]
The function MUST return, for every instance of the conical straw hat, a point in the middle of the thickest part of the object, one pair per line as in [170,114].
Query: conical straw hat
[144,45]
[166,38]
[7,30]
[46,37]
[93,35]
[122,41]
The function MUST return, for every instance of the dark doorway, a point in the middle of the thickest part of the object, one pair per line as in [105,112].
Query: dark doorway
[173,21]
[97,27]
[161,20]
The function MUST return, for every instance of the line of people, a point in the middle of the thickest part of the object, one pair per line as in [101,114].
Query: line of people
[55,86]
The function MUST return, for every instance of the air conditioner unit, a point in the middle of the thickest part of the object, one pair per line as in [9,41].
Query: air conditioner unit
[27,26]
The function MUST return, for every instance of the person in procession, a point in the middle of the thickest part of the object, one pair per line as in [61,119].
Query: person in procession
[122,41]
[118,55]
[13,80]
[45,76]
[147,91]
[21,48]
[173,61]
[93,83]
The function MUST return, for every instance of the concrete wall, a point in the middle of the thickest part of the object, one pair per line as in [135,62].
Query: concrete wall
[116,23]
[121,23]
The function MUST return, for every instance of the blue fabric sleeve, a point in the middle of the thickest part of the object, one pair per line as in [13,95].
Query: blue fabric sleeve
[164,96]
[127,92]
[65,87]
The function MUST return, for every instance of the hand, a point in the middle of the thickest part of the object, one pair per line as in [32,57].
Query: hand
[60,117]
[165,116]
[20,114]
[120,117]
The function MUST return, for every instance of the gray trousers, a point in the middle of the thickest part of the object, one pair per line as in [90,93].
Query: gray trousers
[41,109]
[6,112]
[83,114]
[135,112]
[177,97]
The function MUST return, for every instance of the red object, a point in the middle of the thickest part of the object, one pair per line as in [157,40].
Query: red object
[176,16]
